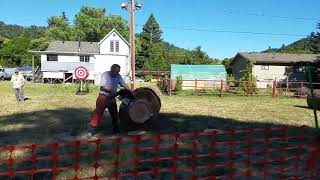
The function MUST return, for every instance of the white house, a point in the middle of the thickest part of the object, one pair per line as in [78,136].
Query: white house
[61,58]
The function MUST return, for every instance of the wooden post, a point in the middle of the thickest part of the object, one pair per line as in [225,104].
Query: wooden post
[300,89]
[214,87]
[274,88]
[196,84]
[287,86]
[221,88]
[248,88]
[170,87]
[313,99]
[33,73]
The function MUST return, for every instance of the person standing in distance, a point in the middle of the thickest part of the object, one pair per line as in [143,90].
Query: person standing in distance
[108,88]
[18,83]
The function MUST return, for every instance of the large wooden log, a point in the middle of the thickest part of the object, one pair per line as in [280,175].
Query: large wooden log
[142,111]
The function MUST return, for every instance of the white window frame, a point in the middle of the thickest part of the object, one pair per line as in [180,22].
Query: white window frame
[52,55]
[114,46]
[84,58]
[117,46]
[265,68]
[111,46]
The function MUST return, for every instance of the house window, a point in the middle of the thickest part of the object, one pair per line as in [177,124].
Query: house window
[117,46]
[114,46]
[84,58]
[299,69]
[264,67]
[111,46]
[52,57]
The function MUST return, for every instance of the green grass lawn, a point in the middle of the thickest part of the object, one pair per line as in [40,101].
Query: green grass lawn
[55,114]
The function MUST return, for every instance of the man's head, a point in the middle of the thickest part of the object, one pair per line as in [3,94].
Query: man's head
[115,69]
[16,71]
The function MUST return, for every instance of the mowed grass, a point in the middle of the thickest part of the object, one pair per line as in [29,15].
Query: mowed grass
[55,111]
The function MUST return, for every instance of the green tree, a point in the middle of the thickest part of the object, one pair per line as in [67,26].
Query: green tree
[15,52]
[226,62]
[151,33]
[92,25]
[282,49]
[156,59]
[3,41]
[13,31]
[248,79]
[39,44]
[315,41]
[58,28]
[199,56]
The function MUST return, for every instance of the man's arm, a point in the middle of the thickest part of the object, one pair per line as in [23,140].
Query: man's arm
[23,80]
[124,84]
[104,83]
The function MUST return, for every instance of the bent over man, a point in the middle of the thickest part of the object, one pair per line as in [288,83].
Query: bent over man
[108,88]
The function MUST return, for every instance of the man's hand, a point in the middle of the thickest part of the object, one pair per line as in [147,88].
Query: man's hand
[126,87]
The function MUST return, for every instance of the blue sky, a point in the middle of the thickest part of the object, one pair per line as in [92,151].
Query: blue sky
[176,16]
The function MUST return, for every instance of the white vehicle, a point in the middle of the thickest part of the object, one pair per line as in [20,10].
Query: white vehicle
[6,73]
[138,79]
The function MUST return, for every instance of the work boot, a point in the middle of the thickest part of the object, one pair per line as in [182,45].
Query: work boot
[91,130]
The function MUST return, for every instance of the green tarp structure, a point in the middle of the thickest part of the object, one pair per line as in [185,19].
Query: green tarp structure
[199,72]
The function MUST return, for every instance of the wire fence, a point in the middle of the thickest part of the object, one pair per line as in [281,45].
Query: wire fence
[265,153]
[242,88]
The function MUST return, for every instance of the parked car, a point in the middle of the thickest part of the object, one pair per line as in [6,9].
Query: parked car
[6,73]
[26,71]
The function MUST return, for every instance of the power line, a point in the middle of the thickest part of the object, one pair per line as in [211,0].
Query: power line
[229,31]
[234,32]
[274,16]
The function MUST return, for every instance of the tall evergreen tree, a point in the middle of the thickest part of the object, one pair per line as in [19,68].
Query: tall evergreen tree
[315,41]
[151,31]
[151,34]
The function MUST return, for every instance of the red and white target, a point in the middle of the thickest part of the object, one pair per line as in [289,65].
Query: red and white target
[81,73]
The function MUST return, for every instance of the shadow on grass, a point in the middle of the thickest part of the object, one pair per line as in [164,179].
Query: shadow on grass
[304,107]
[71,123]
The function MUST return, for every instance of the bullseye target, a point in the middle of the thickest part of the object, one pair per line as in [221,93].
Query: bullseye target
[81,73]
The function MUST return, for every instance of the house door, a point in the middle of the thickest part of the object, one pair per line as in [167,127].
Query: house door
[67,78]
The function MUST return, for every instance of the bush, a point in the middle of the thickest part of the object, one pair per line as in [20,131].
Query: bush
[148,78]
[248,76]
[85,88]
[178,86]
[231,82]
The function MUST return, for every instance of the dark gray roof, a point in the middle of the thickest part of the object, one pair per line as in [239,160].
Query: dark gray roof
[73,47]
[279,58]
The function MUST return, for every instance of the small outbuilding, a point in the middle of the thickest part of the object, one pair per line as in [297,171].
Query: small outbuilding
[201,76]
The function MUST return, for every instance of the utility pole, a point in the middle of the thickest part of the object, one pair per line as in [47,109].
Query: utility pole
[132,8]
[132,45]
